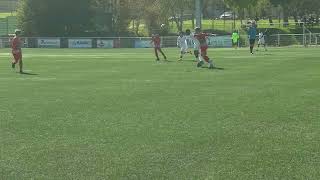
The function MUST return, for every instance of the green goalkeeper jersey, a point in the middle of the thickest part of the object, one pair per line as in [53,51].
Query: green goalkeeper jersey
[235,37]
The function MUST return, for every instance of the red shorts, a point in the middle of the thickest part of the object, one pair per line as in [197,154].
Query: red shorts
[17,57]
[203,48]
[157,47]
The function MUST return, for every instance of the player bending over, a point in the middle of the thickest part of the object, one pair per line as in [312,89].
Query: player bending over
[202,38]
[16,51]
[156,40]
[182,43]
[196,45]
[262,41]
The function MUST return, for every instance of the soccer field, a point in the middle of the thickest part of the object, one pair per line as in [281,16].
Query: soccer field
[117,114]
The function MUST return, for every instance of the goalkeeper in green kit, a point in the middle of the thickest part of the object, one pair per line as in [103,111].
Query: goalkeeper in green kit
[235,39]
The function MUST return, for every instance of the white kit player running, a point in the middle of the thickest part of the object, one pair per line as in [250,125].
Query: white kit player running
[262,41]
[196,45]
[183,45]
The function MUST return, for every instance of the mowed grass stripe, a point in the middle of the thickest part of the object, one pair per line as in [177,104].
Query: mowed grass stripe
[123,116]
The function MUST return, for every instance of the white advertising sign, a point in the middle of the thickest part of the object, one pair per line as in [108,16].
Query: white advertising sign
[49,43]
[142,44]
[220,41]
[80,43]
[104,43]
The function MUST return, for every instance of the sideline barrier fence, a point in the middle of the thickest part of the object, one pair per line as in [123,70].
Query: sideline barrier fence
[276,40]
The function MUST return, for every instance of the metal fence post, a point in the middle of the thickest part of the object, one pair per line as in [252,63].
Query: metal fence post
[304,36]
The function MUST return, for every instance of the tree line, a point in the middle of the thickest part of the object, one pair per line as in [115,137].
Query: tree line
[114,17]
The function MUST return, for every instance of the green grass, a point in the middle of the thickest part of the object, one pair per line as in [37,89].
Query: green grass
[227,26]
[7,14]
[116,114]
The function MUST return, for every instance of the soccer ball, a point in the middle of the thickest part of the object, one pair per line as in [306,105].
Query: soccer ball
[163,26]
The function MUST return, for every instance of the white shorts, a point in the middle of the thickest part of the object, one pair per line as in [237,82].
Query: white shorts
[261,41]
[184,49]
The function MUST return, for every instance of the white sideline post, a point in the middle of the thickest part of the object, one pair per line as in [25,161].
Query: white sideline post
[198,13]
[304,36]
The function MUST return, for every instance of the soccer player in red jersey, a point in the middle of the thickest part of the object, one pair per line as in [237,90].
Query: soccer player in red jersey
[156,40]
[202,38]
[16,50]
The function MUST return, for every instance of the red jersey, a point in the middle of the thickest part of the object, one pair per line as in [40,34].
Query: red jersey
[156,41]
[16,44]
[202,38]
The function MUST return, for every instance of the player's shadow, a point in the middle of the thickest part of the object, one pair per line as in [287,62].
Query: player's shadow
[29,74]
[216,68]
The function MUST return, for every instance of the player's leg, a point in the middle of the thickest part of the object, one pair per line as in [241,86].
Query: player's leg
[200,57]
[156,54]
[13,63]
[182,52]
[265,45]
[196,54]
[204,55]
[21,66]
[15,60]
[188,51]
[164,56]
[235,46]
[252,41]
[181,55]
[209,61]
[20,63]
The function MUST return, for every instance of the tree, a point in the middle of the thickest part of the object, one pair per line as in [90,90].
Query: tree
[55,18]
[176,9]
[241,5]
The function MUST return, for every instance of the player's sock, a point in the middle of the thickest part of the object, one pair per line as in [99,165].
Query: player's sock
[206,58]
[200,63]
[251,50]
[13,65]
[211,64]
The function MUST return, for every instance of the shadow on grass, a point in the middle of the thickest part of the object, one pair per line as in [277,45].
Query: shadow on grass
[29,74]
[215,68]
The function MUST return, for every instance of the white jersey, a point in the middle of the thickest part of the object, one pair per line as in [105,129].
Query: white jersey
[182,41]
[195,41]
[261,38]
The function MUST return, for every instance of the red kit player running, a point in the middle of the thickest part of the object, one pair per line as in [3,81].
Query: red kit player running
[202,38]
[156,40]
[16,50]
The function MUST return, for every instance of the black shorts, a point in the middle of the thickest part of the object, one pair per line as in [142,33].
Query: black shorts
[252,41]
